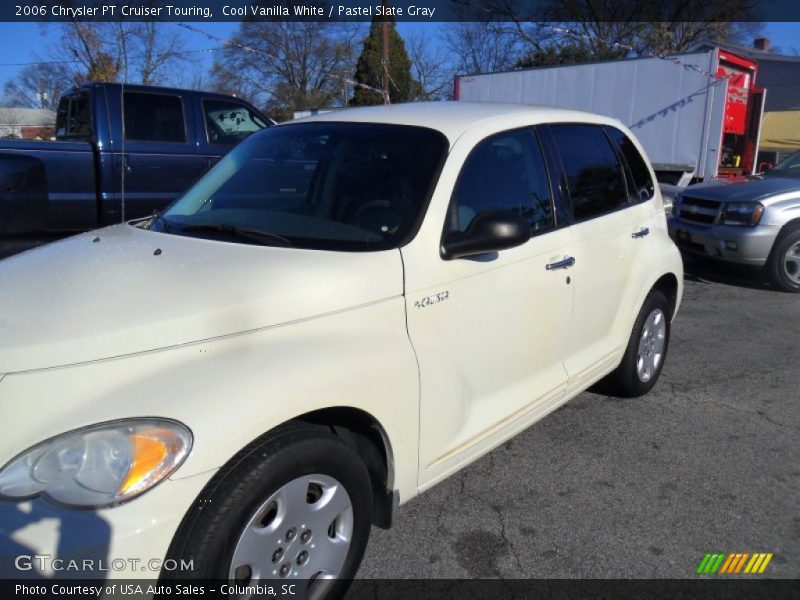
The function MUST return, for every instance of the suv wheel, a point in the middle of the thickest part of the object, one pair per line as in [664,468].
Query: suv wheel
[294,507]
[783,266]
[644,356]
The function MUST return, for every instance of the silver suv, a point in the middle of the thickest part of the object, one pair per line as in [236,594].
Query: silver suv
[755,222]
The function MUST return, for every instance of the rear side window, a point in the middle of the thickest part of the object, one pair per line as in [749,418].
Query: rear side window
[642,187]
[594,174]
[506,172]
[154,118]
[73,119]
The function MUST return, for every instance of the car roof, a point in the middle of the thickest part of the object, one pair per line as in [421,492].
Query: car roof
[453,118]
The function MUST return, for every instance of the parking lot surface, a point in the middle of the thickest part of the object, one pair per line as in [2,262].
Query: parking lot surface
[634,488]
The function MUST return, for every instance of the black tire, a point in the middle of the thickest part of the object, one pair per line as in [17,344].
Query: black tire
[775,271]
[209,532]
[624,381]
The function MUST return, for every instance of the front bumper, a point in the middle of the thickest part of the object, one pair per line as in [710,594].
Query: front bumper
[38,539]
[742,245]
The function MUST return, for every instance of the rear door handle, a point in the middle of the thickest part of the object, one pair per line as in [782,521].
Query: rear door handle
[561,264]
[641,233]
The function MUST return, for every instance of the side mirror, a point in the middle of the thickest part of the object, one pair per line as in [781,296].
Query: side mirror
[490,231]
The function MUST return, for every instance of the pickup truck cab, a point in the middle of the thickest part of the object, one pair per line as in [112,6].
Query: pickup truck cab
[343,312]
[121,152]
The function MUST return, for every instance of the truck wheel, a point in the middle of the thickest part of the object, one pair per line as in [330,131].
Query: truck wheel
[783,266]
[294,508]
[644,356]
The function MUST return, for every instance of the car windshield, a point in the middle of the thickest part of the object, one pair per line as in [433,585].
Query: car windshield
[786,168]
[334,186]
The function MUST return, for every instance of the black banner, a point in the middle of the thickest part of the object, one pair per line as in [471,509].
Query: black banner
[399,10]
[733,588]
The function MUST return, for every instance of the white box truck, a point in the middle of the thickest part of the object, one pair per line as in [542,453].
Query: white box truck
[698,115]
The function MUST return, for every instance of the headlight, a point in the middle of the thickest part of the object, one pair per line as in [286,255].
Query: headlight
[98,466]
[742,213]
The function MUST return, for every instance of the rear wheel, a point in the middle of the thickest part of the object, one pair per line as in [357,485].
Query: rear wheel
[783,266]
[644,356]
[294,508]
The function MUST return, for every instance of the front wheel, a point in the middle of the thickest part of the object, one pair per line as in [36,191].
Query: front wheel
[783,266]
[644,356]
[295,508]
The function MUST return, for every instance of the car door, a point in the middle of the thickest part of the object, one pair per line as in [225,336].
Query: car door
[489,330]
[160,159]
[641,192]
[593,177]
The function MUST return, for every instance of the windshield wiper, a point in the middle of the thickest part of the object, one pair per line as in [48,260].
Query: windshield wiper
[158,217]
[247,233]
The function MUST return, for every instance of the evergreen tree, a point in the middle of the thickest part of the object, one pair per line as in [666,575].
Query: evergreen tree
[369,69]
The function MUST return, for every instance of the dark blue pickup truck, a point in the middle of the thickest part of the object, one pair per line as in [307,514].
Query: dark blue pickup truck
[121,152]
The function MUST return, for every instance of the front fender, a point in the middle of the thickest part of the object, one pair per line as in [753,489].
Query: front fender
[231,390]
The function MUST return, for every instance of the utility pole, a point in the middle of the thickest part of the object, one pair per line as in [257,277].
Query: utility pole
[385,59]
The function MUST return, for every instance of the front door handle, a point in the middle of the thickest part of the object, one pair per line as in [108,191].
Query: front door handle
[641,233]
[566,263]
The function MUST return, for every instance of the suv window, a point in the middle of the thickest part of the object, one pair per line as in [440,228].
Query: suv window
[73,119]
[506,171]
[642,184]
[229,122]
[154,118]
[593,171]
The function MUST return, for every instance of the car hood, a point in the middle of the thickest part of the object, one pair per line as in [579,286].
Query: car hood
[123,290]
[743,191]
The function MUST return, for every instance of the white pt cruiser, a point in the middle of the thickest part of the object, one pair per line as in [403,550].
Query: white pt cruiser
[343,312]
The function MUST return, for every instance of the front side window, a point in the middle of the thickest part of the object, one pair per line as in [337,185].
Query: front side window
[642,187]
[333,186]
[154,118]
[786,168]
[228,122]
[504,172]
[594,175]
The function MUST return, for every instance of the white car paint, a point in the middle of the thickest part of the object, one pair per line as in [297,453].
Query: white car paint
[233,340]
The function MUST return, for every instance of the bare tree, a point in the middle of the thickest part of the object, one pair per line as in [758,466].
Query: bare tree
[38,86]
[96,49]
[193,77]
[431,68]
[148,53]
[157,50]
[603,29]
[482,47]
[284,66]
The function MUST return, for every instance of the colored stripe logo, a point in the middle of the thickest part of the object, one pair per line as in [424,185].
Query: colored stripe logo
[734,563]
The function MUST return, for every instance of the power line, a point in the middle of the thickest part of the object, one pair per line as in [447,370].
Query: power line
[60,62]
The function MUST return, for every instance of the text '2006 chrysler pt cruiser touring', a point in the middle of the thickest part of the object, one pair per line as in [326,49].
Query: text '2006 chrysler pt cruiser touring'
[343,312]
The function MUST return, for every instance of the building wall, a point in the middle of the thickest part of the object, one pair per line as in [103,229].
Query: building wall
[27,132]
[782,80]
